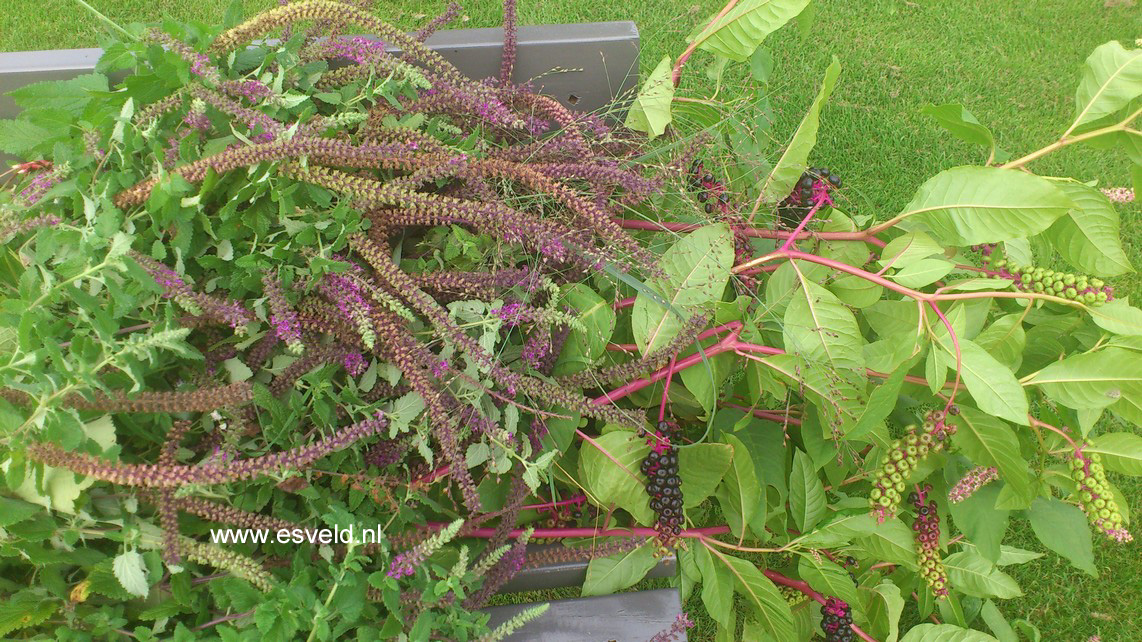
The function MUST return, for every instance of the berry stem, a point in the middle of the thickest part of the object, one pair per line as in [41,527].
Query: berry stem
[778,578]
[676,73]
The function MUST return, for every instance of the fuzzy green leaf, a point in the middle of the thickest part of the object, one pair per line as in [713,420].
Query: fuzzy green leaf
[131,572]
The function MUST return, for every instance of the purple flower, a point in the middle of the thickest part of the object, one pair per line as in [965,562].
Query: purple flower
[354,363]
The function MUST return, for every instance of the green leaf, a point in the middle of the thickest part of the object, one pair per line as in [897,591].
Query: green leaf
[18,137]
[650,112]
[14,511]
[620,484]
[974,575]
[820,328]
[806,493]
[1094,379]
[1005,340]
[1118,317]
[893,605]
[1121,452]
[827,578]
[761,594]
[988,441]
[1087,237]
[992,385]
[1111,79]
[717,587]
[697,268]
[794,161]
[740,493]
[606,575]
[583,347]
[891,541]
[909,248]
[70,95]
[131,572]
[982,523]
[944,633]
[961,123]
[923,272]
[997,623]
[701,468]
[738,33]
[969,205]
[1063,529]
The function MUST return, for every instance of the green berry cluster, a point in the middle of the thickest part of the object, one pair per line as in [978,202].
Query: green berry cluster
[1076,287]
[1094,492]
[900,461]
[792,595]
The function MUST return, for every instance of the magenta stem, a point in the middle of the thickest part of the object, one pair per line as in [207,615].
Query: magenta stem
[757,232]
[563,533]
[818,202]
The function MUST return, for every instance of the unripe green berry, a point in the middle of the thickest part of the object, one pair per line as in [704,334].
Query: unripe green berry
[1069,279]
[1087,497]
[875,494]
[1071,293]
[1100,503]
[1097,283]
[1100,297]
[1104,513]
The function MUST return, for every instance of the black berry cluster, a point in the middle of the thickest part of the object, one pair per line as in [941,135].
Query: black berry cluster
[813,185]
[927,529]
[836,621]
[901,459]
[709,191]
[1028,278]
[663,484]
[1094,491]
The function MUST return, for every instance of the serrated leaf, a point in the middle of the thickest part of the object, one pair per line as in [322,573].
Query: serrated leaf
[606,575]
[806,493]
[1087,237]
[738,34]
[70,95]
[944,633]
[131,571]
[972,574]
[988,441]
[1112,77]
[701,468]
[18,137]
[969,205]
[1063,529]
[794,161]
[650,111]
[1120,451]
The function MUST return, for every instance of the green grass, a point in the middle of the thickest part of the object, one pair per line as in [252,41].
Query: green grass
[1013,63]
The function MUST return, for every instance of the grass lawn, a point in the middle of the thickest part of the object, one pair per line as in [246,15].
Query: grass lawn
[1013,63]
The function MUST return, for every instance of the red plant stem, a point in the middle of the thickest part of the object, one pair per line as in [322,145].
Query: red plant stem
[624,303]
[578,499]
[764,414]
[666,389]
[1062,433]
[956,345]
[778,578]
[757,232]
[433,476]
[622,347]
[224,618]
[819,201]
[676,74]
[564,533]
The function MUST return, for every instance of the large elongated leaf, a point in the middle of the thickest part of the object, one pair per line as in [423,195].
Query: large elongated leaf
[827,578]
[697,268]
[891,541]
[1063,529]
[820,327]
[806,493]
[988,441]
[1120,451]
[738,33]
[982,523]
[740,493]
[974,575]
[701,468]
[967,205]
[583,347]
[717,587]
[619,484]
[1005,340]
[992,384]
[893,606]
[944,633]
[1087,237]
[882,401]
[1118,317]
[794,161]
[606,575]
[650,112]
[761,594]
[1112,77]
[1093,380]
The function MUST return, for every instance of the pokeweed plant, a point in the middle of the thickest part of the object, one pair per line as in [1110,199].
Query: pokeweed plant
[283,279]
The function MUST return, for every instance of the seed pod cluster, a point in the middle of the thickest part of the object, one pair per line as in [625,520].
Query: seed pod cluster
[837,620]
[1028,278]
[927,529]
[709,191]
[901,459]
[816,181]
[792,595]
[1094,492]
[663,484]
